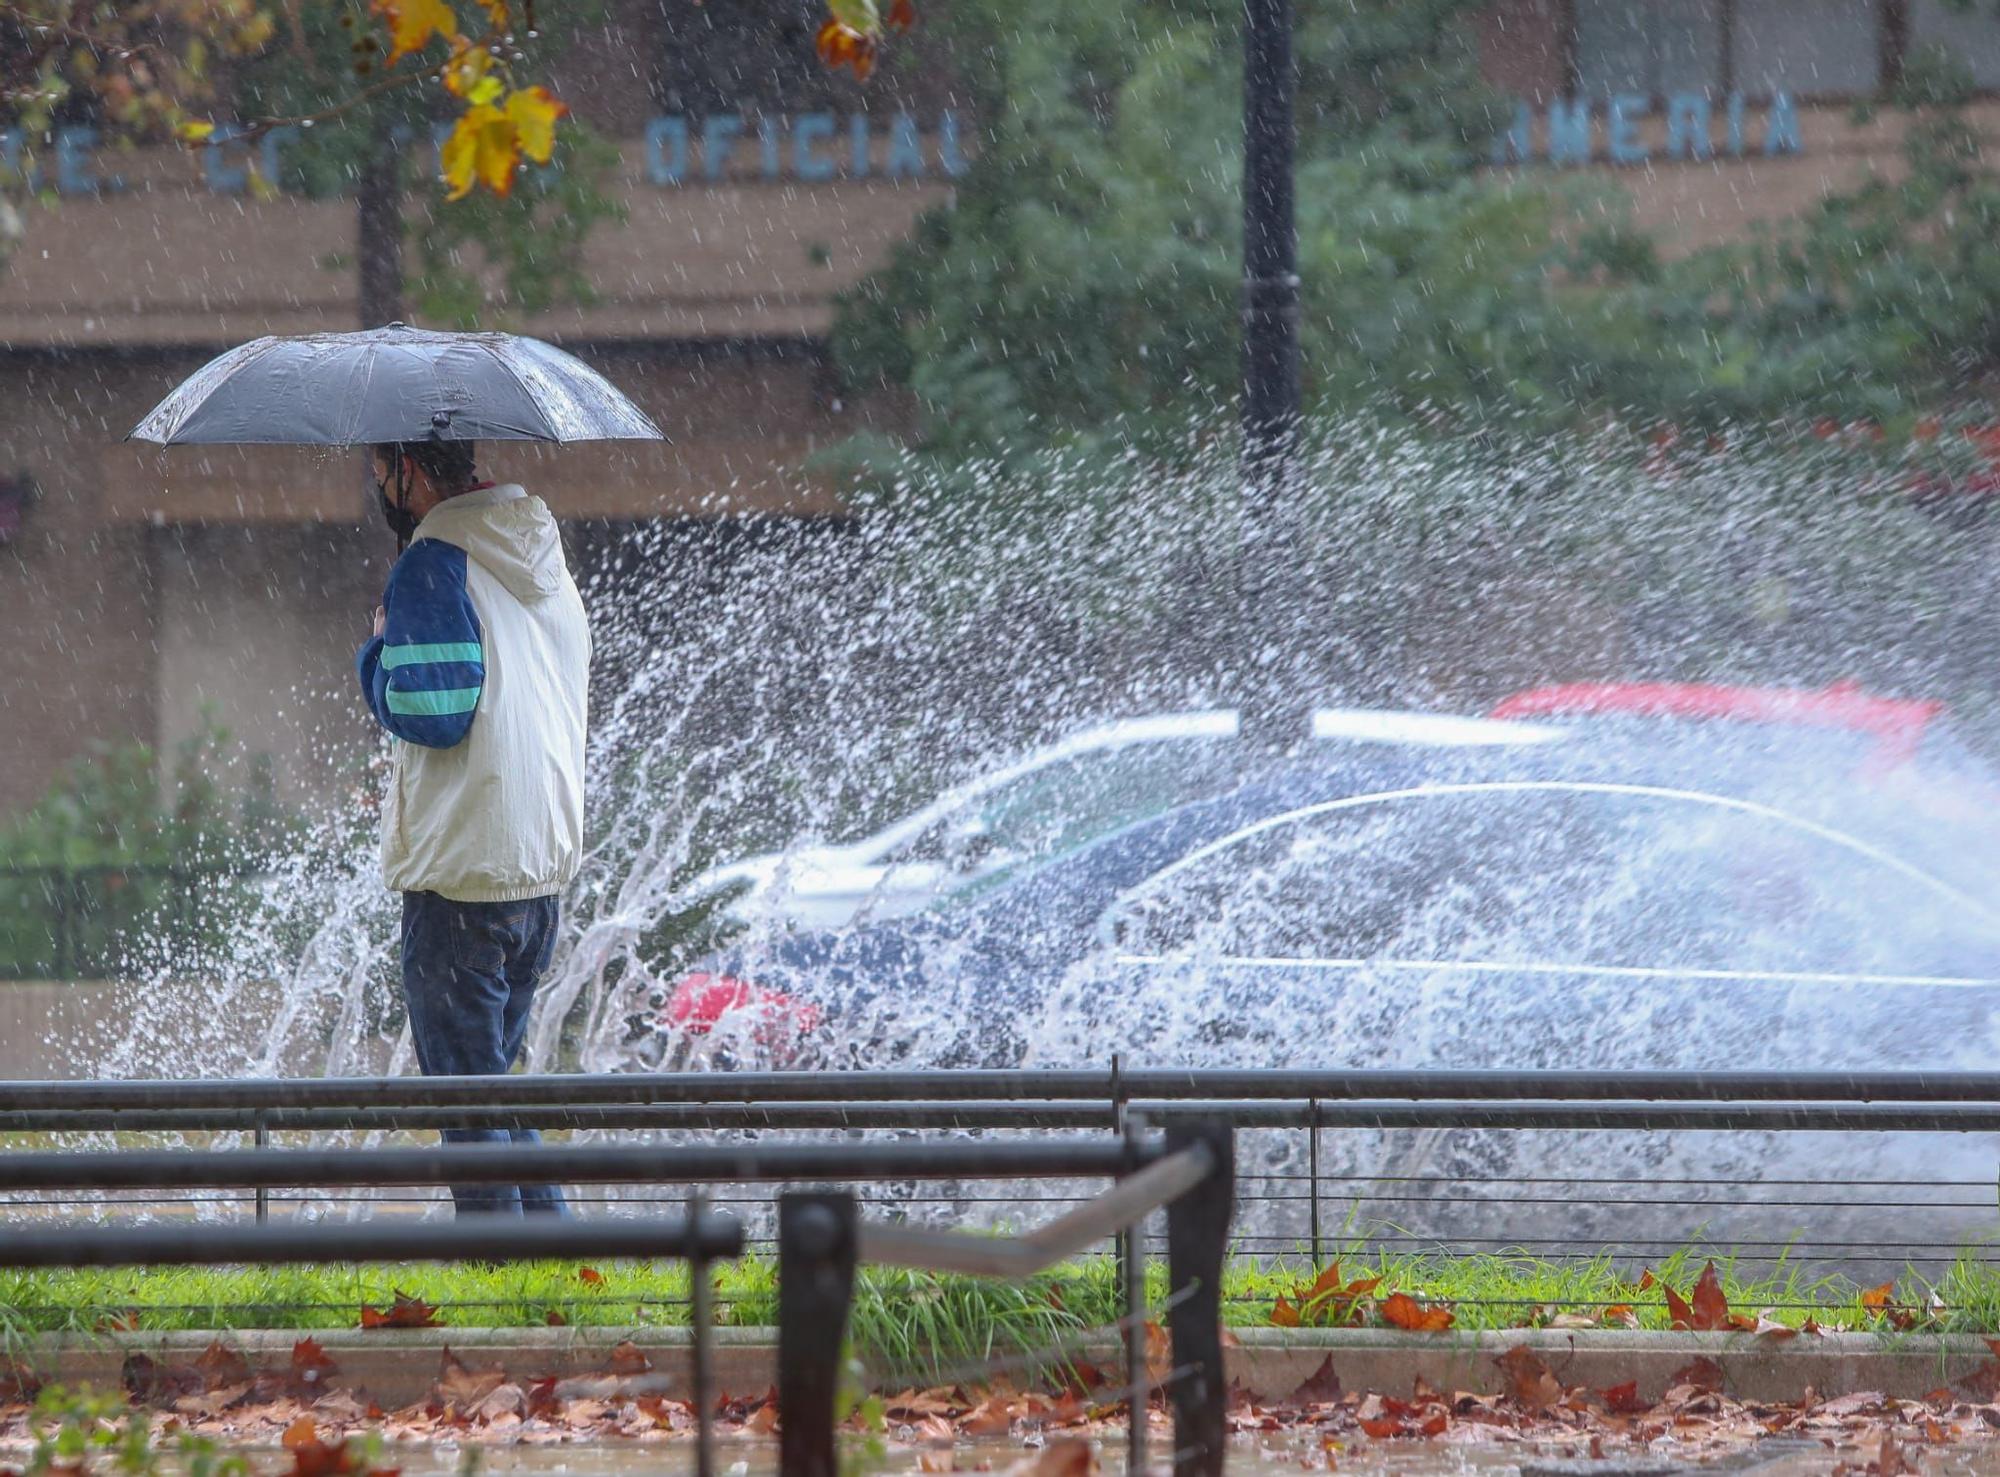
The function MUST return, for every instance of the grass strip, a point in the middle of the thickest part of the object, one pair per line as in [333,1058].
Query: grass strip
[915,1324]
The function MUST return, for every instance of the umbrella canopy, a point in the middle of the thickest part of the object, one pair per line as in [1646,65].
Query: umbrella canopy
[393,384]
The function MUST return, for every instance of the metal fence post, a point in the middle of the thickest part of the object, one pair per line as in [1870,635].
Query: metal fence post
[1197,1244]
[1312,1179]
[816,1253]
[1131,1253]
[701,1318]
[262,1135]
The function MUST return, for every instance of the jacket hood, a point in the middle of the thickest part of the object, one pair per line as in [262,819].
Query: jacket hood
[512,536]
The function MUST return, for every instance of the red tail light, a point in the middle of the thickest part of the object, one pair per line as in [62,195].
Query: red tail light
[701,1000]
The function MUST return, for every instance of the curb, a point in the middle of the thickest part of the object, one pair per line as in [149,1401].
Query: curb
[396,1367]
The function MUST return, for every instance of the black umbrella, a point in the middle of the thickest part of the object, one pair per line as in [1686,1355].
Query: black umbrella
[393,384]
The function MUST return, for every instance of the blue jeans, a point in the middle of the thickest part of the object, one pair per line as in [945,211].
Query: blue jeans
[469,976]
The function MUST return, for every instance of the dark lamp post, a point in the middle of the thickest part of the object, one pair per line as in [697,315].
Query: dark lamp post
[1270,246]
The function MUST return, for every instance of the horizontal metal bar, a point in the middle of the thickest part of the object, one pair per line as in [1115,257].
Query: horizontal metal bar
[490,1238]
[1794,1116]
[614,1089]
[1125,1203]
[799,1115]
[486,1164]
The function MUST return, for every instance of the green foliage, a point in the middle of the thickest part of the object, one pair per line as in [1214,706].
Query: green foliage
[532,241]
[1086,279]
[73,1429]
[114,858]
[481,261]
[1083,287]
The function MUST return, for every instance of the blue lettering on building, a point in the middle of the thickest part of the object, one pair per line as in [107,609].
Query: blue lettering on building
[811,148]
[1573,131]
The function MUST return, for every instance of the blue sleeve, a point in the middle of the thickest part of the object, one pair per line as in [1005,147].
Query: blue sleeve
[423,675]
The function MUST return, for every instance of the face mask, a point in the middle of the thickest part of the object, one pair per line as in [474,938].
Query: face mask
[402,522]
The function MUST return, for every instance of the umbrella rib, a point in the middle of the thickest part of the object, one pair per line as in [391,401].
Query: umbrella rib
[525,388]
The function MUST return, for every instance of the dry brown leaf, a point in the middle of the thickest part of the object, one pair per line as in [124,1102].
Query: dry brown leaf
[1159,1354]
[312,1369]
[1620,1315]
[1528,1379]
[1402,1311]
[993,1416]
[1624,1399]
[405,1312]
[936,1461]
[1710,1306]
[591,1275]
[221,1365]
[763,1420]
[1284,1315]
[462,1388]
[628,1358]
[1702,1372]
[1321,1387]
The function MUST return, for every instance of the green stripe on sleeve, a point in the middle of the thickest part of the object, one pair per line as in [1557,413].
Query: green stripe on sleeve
[412,654]
[438,704]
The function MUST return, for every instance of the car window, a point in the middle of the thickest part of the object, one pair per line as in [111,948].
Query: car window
[1581,875]
[1059,807]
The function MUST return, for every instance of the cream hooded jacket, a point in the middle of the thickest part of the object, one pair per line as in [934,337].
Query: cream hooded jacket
[482,674]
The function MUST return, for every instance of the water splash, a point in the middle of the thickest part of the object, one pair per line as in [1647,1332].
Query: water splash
[764,686]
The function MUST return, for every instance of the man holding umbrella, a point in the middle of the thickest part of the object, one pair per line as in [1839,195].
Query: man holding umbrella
[479,663]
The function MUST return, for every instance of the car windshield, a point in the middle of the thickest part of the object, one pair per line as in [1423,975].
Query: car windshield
[1586,875]
[1055,809]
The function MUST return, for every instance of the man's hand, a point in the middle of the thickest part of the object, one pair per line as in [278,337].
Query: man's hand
[381,620]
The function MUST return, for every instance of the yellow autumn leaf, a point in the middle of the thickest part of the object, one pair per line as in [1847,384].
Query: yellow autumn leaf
[534,111]
[500,14]
[468,67]
[486,90]
[461,150]
[194,130]
[412,23]
[862,17]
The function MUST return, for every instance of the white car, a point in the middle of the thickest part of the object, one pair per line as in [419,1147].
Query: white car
[1050,799]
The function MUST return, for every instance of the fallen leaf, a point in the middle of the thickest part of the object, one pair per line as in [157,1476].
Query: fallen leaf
[405,1312]
[1710,1305]
[312,1369]
[629,1358]
[1624,1399]
[462,1388]
[1572,1320]
[1405,1312]
[554,1319]
[1159,1354]
[993,1416]
[222,1365]
[1620,1315]
[1321,1387]
[1383,1427]
[1703,1373]
[591,1275]
[1528,1379]
[1284,1315]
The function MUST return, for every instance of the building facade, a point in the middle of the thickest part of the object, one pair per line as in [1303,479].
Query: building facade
[140,589]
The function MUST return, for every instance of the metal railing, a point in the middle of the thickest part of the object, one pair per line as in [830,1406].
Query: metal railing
[1188,1172]
[822,1240]
[698,1237]
[1305,1204]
